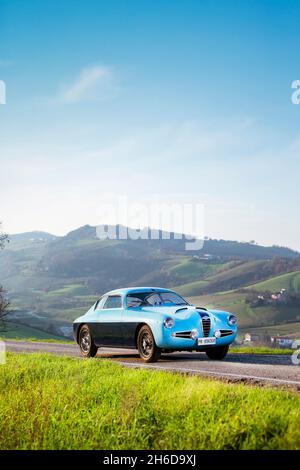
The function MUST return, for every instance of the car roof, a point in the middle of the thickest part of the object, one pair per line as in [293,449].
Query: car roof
[129,290]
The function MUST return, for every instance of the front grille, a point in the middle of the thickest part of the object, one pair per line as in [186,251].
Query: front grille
[206,326]
[182,334]
[226,333]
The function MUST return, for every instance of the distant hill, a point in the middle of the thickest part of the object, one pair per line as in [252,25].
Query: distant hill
[269,317]
[51,280]
[289,281]
[22,240]
[31,237]
[214,247]
[246,250]
[277,317]
[242,274]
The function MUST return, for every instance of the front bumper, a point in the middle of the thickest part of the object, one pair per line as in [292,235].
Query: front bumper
[171,340]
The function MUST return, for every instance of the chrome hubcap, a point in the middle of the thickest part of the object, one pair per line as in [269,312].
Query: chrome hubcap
[146,344]
[85,341]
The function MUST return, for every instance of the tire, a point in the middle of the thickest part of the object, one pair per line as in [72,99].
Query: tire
[218,353]
[146,346]
[86,344]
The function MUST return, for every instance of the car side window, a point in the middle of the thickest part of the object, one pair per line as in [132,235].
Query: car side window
[101,302]
[113,301]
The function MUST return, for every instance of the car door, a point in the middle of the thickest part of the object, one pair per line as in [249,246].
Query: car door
[131,318]
[108,326]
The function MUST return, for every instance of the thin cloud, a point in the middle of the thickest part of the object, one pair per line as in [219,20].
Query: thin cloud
[93,83]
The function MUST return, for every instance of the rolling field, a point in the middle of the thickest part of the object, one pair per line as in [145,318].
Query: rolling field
[268,316]
[231,274]
[16,330]
[50,402]
[289,329]
[191,288]
[289,281]
[190,271]
[233,301]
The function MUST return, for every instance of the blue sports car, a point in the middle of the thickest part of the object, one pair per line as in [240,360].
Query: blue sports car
[153,320]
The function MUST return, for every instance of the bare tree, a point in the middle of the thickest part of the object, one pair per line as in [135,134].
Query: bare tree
[3,300]
[3,238]
[3,307]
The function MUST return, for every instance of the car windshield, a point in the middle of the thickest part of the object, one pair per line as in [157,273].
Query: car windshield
[136,299]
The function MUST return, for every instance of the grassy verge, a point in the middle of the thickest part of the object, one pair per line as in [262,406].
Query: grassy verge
[260,350]
[49,402]
[40,340]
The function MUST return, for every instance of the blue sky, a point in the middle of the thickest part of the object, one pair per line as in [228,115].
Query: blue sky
[143,98]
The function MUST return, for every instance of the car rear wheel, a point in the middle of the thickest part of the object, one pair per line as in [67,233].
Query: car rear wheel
[218,353]
[86,344]
[147,348]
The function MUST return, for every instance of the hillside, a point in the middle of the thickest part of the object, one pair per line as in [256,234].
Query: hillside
[51,280]
[288,281]
[275,317]
[249,317]
[244,273]
[215,247]
[24,240]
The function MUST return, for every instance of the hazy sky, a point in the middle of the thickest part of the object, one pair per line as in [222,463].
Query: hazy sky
[144,98]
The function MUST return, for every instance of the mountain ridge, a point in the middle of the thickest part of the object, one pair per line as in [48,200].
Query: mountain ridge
[217,247]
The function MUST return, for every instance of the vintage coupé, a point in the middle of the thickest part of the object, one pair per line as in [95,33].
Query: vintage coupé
[153,320]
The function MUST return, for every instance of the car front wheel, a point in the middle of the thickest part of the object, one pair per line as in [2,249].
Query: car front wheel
[86,344]
[147,348]
[218,353]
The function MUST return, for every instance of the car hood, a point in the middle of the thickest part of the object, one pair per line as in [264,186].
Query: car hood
[183,312]
[177,311]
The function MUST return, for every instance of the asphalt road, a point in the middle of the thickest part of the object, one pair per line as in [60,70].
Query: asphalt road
[256,368]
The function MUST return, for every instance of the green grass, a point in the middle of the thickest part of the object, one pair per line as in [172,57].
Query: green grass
[191,288]
[289,281]
[239,270]
[220,277]
[49,402]
[289,329]
[39,340]
[16,330]
[189,270]
[260,350]
[69,290]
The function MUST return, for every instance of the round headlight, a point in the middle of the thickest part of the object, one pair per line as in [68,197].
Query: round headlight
[232,320]
[169,322]
[194,334]
[217,334]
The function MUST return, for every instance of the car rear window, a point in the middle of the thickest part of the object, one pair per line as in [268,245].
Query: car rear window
[113,301]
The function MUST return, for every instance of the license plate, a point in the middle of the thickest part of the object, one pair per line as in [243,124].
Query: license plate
[204,341]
